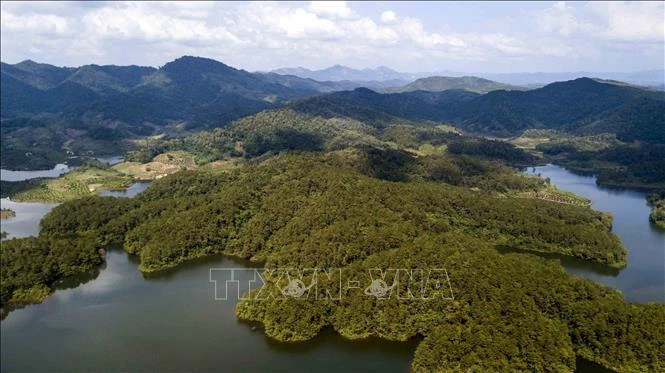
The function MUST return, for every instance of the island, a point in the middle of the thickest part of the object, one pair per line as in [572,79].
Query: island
[7,213]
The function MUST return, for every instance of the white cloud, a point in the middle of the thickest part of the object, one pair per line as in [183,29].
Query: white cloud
[631,21]
[263,35]
[37,23]
[388,16]
[337,9]
[627,21]
[560,19]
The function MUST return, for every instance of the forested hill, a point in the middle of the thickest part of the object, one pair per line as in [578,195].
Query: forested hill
[48,110]
[182,89]
[581,106]
[443,83]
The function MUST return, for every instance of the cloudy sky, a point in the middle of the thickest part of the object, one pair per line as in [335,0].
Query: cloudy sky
[428,36]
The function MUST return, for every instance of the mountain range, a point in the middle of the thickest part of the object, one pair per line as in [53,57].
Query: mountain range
[46,110]
[583,106]
[651,78]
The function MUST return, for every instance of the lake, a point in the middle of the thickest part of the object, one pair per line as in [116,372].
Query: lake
[10,175]
[131,191]
[643,279]
[121,320]
[28,214]
[26,221]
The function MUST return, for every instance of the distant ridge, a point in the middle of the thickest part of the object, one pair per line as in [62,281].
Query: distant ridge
[341,73]
[651,78]
[443,83]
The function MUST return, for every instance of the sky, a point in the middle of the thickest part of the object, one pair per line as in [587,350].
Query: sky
[487,37]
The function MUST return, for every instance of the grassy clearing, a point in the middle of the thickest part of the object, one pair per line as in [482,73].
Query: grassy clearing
[78,183]
[160,166]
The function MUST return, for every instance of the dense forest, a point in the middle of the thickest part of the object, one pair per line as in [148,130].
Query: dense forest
[49,112]
[352,180]
[364,208]
[618,164]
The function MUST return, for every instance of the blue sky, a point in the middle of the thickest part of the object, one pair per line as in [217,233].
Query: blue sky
[406,36]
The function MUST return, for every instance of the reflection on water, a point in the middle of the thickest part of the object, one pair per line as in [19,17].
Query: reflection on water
[643,279]
[9,175]
[131,191]
[29,214]
[121,321]
[124,321]
[26,221]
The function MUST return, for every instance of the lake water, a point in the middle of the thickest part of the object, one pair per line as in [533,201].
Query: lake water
[28,214]
[643,279]
[123,321]
[26,221]
[9,175]
[133,190]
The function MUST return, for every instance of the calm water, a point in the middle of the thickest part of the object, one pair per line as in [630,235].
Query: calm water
[121,321]
[9,175]
[26,221]
[133,190]
[643,280]
[28,214]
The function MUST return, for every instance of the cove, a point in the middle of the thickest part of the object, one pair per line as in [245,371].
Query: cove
[123,321]
[643,279]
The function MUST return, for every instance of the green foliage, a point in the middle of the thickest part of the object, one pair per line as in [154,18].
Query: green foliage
[640,165]
[509,312]
[30,266]
[491,149]
[657,202]
[443,83]
[80,182]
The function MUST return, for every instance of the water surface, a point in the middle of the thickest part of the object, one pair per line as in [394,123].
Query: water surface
[131,191]
[26,221]
[643,279]
[122,321]
[9,175]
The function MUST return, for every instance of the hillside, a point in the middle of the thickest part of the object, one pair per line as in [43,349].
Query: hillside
[443,83]
[581,106]
[96,108]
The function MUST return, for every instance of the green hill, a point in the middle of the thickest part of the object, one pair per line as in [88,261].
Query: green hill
[444,83]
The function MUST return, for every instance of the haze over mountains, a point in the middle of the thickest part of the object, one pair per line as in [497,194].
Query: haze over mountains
[654,78]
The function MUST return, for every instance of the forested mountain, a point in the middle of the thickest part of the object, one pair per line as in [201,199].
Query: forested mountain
[443,83]
[584,106]
[48,110]
[189,83]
